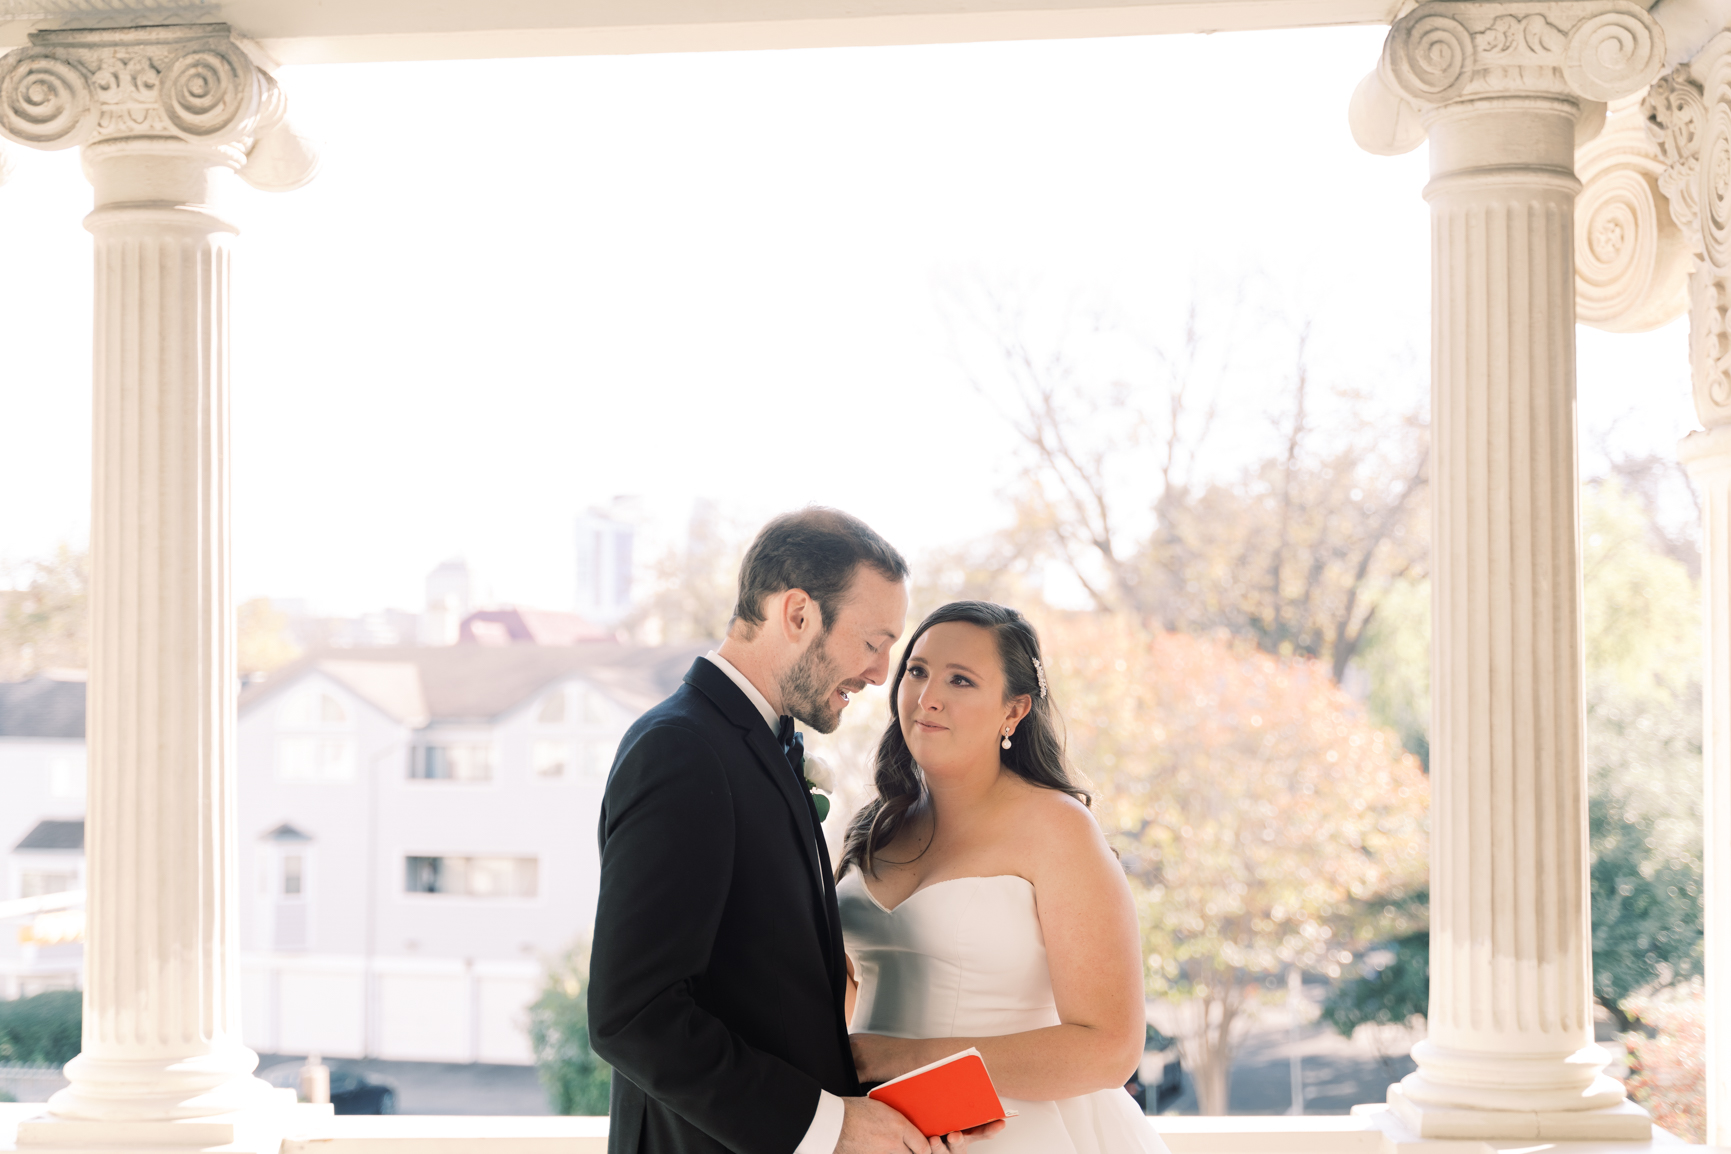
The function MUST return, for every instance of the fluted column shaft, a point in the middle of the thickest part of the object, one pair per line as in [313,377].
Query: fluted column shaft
[1708,457]
[161,975]
[1500,88]
[165,115]
[1689,116]
[1510,961]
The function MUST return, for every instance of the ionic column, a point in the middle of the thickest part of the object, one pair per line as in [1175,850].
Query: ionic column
[1501,90]
[164,116]
[1689,112]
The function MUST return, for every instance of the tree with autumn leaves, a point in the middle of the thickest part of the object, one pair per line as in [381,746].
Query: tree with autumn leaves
[1263,821]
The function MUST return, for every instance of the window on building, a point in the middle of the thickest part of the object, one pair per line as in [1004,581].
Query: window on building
[476,877]
[38,883]
[312,706]
[458,761]
[594,709]
[552,708]
[293,875]
[551,758]
[307,758]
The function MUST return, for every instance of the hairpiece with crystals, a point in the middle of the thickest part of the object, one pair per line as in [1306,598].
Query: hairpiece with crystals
[1040,672]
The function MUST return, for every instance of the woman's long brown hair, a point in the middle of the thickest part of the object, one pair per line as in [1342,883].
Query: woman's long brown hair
[1036,755]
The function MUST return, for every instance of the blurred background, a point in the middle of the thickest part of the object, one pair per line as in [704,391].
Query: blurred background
[1126,333]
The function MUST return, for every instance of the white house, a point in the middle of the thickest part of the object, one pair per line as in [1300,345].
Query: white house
[41,829]
[417,833]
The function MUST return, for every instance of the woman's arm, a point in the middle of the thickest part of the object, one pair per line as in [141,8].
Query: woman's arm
[1095,954]
[852,995]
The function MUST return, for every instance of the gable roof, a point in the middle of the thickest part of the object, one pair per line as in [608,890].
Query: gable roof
[54,835]
[519,626]
[478,683]
[284,832]
[42,707]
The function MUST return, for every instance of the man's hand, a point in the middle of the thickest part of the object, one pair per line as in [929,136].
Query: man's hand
[870,1127]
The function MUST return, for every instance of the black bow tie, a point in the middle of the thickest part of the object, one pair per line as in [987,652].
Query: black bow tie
[792,744]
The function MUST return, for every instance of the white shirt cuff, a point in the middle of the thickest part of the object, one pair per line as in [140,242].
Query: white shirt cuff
[824,1133]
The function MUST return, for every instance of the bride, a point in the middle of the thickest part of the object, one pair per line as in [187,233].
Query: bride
[980,905]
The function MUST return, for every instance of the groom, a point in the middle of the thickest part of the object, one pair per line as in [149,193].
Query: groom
[717,978]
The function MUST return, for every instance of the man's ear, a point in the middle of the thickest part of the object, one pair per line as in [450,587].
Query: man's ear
[799,615]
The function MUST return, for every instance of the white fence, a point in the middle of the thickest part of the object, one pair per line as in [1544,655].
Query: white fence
[407,1009]
[29,1083]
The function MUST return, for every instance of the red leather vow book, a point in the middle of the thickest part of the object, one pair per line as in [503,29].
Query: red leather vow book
[953,1093]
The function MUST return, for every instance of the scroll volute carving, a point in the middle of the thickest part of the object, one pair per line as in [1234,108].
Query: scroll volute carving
[1688,118]
[1632,259]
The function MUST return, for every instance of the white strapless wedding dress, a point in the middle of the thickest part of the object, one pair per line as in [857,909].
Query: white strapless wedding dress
[965,958]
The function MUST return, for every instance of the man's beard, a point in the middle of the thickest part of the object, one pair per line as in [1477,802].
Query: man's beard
[806,688]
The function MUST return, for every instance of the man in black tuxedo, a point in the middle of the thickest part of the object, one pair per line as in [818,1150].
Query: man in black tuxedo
[717,980]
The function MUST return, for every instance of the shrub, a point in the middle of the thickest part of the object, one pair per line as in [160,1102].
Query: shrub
[1667,1072]
[577,1081]
[43,1030]
[1393,994]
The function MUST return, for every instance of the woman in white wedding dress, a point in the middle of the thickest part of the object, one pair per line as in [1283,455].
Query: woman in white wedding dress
[980,904]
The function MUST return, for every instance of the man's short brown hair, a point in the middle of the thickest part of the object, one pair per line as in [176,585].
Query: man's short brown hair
[815,549]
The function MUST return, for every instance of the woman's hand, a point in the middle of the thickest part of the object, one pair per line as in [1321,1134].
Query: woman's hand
[852,996]
[878,1058]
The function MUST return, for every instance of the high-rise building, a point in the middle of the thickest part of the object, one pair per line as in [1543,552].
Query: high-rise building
[605,538]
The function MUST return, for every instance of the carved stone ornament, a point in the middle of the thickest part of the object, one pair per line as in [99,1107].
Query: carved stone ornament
[1688,118]
[1631,258]
[191,83]
[1451,50]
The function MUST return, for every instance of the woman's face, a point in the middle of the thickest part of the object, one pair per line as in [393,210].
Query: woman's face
[951,699]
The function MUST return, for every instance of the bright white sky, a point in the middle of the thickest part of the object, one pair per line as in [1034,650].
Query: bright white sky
[521,287]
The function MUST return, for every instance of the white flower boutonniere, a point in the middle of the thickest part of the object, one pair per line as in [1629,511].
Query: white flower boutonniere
[819,776]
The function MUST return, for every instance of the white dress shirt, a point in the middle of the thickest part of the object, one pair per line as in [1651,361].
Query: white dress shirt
[824,1133]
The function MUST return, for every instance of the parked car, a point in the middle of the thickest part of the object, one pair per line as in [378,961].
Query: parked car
[353,1091]
[1154,1094]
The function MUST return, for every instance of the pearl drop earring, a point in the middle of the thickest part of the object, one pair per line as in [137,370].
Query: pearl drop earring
[1006,739]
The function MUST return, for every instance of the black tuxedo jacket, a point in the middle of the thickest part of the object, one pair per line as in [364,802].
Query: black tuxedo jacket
[716,982]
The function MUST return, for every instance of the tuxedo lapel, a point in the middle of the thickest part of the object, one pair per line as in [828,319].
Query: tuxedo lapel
[771,758]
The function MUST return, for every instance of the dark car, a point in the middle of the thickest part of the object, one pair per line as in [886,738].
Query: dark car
[352,1091]
[1154,1099]
[355,1093]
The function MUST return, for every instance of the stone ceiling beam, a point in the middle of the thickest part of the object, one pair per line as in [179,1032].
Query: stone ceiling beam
[297,32]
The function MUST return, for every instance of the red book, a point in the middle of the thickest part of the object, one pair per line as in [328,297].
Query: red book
[953,1093]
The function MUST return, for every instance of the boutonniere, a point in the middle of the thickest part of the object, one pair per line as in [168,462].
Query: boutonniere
[819,776]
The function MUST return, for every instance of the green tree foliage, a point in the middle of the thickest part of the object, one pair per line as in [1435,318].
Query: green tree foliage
[43,1030]
[1395,659]
[1392,987]
[1643,633]
[577,1081]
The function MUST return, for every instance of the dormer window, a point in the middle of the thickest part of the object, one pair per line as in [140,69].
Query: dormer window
[452,761]
[313,707]
[552,708]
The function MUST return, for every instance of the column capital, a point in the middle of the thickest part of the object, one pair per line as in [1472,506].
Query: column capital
[162,89]
[1688,118]
[1581,50]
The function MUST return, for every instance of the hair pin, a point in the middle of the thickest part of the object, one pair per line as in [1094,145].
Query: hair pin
[1040,672]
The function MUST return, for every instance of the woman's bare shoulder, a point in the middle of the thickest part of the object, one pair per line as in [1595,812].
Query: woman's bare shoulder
[1055,826]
